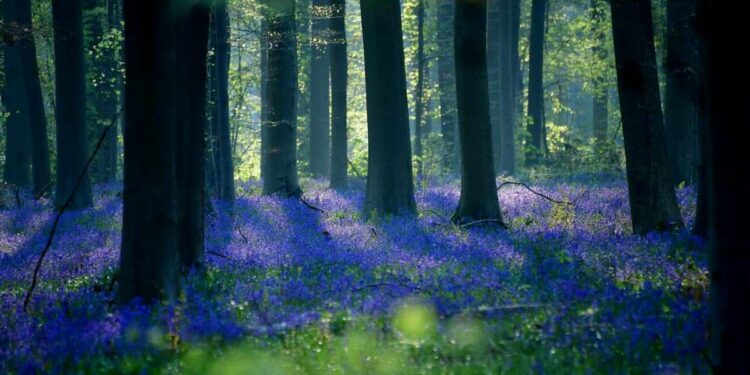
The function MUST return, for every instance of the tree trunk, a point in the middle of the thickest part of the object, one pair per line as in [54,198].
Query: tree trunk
[447,83]
[680,96]
[17,144]
[281,89]
[653,203]
[191,73]
[507,153]
[600,101]
[495,35]
[729,259]
[419,95]
[223,149]
[339,81]
[149,255]
[70,86]
[390,184]
[40,160]
[320,120]
[535,141]
[264,94]
[478,188]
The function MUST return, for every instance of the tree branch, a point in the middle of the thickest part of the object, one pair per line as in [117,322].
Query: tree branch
[503,183]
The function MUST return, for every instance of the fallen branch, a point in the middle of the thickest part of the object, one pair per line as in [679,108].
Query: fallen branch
[39,194]
[437,214]
[533,191]
[220,255]
[484,221]
[68,201]
[310,206]
[244,237]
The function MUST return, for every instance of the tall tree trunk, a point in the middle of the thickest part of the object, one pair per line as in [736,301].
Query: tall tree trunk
[264,125]
[478,188]
[390,184]
[495,35]
[320,120]
[680,95]
[224,158]
[506,163]
[281,89]
[37,113]
[191,75]
[729,259]
[653,204]
[447,83]
[17,144]
[600,101]
[149,260]
[339,81]
[515,59]
[70,86]
[419,95]
[535,142]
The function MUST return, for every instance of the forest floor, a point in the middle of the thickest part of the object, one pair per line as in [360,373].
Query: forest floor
[290,289]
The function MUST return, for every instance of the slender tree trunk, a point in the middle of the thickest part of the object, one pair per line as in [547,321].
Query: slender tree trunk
[680,96]
[535,142]
[506,163]
[600,101]
[515,59]
[447,83]
[653,204]
[264,125]
[729,259]
[390,184]
[224,163]
[281,89]
[17,144]
[37,113]
[419,95]
[478,189]
[495,35]
[70,86]
[320,120]
[339,81]
[149,260]
[191,75]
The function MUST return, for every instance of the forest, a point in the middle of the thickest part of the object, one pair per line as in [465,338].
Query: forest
[373,187]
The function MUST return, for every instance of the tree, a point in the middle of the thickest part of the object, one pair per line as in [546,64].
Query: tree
[221,143]
[478,190]
[390,185]
[419,97]
[495,35]
[653,203]
[600,101]
[508,53]
[680,95]
[281,90]
[70,88]
[35,103]
[447,83]
[17,146]
[320,120]
[339,78]
[536,141]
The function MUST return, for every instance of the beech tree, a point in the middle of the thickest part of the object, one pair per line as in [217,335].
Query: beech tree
[339,80]
[536,142]
[319,97]
[447,83]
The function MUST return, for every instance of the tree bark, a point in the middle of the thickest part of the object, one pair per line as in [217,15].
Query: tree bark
[223,146]
[535,142]
[600,101]
[70,87]
[495,35]
[506,162]
[653,203]
[419,94]
[339,81]
[390,185]
[478,188]
[281,89]
[447,83]
[320,120]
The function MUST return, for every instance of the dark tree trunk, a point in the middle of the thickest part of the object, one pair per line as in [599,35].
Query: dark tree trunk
[17,144]
[223,146]
[727,97]
[447,83]
[515,59]
[390,184]
[264,125]
[478,189]
[680,96]
[495,35]
[70,86]
[37,113]
[339,80]
[507,153]
[191,75]
[281,89]
[419,95]
[535,141]
[320,119]
[653,204]
[149,260]
[600,101]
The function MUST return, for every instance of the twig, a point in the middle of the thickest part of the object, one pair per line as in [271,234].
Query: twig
[437,214]
[68,201]
[244,237]
[532,190]
[17,192]
[310,206]
[354,169]
[484,221]
[220,255]
[39,194]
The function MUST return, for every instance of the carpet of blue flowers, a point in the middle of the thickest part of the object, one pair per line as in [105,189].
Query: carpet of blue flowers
[288,289]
